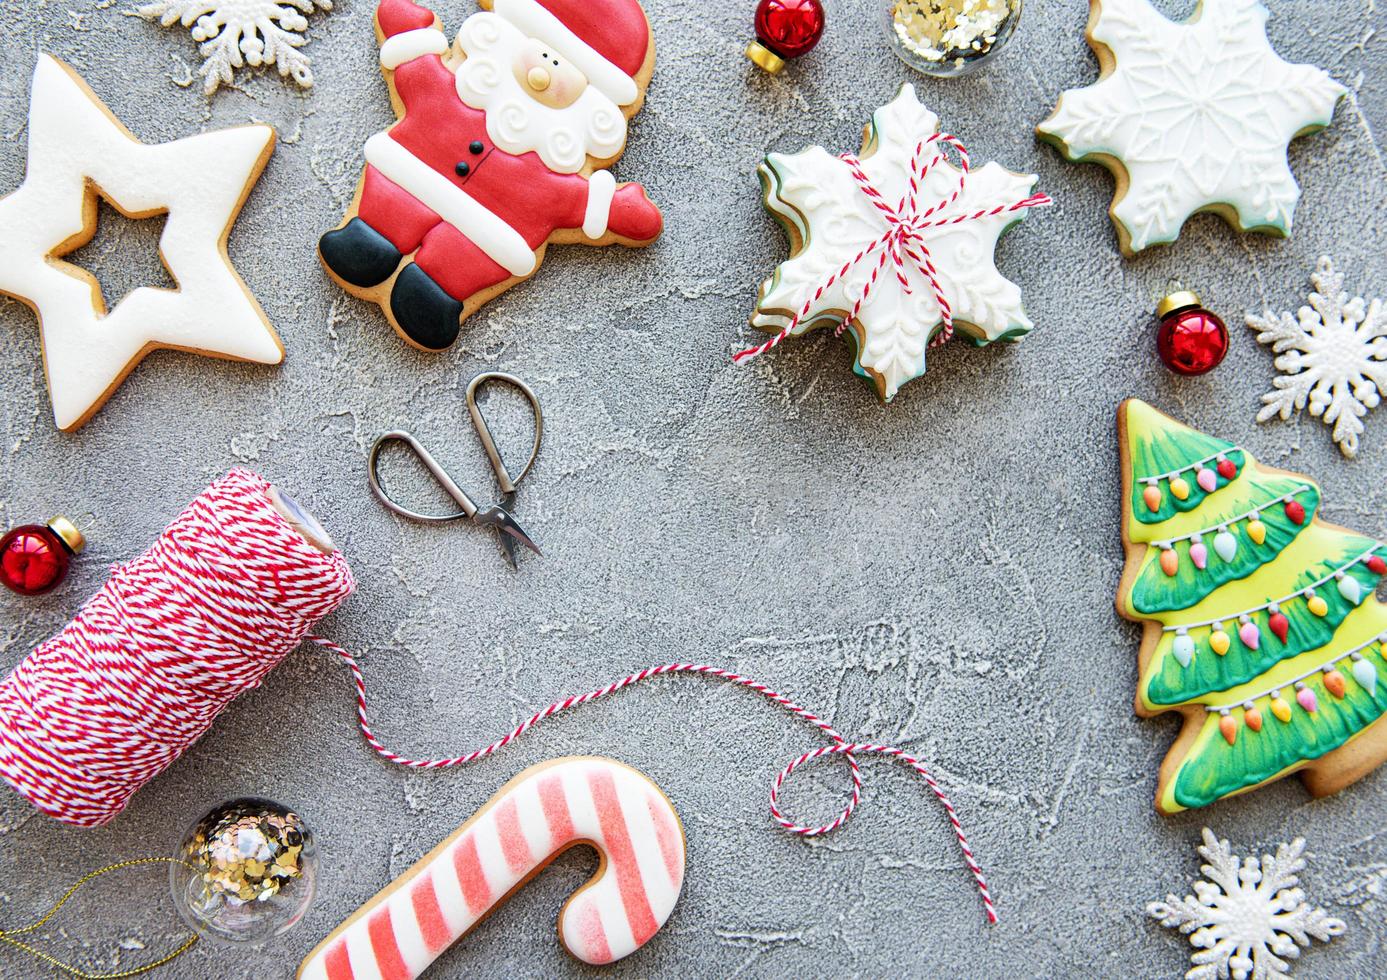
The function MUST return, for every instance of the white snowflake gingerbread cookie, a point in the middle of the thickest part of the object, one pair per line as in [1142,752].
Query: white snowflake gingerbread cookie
[1334,355]
[1190,117]
[500,150]
[234,33]
[78,150]
[893,245]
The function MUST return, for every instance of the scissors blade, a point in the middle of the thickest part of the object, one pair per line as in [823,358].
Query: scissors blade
[500,518]
[508,542]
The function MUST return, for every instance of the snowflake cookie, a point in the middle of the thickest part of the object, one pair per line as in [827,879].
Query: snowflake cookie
[895,246]
[1191,117]
[1333,355]
[1249,918]
[234,33]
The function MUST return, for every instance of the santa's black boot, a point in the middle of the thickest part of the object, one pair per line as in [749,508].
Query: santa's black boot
[358,254]
[427,315]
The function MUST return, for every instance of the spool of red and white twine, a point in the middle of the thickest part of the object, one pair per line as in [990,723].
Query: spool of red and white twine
[227,591]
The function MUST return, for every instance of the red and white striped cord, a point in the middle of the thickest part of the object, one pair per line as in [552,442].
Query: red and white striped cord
[840,746]
[903,239]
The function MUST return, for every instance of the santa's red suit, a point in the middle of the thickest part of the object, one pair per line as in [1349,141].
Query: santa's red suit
[436,182]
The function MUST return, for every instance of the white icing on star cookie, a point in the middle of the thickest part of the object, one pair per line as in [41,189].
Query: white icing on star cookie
[830,220]
[77,148]
[1191,117]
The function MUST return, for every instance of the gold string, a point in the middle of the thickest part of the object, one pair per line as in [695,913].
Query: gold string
[7,936]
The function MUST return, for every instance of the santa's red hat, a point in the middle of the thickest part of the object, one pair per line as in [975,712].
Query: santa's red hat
[607,40]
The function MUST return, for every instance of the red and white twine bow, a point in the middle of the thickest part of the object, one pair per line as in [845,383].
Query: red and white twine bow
[902,240]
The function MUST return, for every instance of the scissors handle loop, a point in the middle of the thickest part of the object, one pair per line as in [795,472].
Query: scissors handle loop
[432,465]
[503,477]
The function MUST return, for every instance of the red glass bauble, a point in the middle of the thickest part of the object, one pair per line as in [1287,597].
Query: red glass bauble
[34,557]
[790,28]
[1191,340]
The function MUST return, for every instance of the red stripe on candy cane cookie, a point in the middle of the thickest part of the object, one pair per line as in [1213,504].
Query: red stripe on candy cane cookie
[622,855]
[388,959]
[424,898]
[475,890]
[667,836]
[338,963]
[555,803]
[594,937]
[513,843]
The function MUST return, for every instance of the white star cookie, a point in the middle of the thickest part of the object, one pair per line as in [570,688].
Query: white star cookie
[1191,117]
[77,149]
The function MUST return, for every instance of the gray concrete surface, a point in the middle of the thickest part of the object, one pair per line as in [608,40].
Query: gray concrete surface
[938,573]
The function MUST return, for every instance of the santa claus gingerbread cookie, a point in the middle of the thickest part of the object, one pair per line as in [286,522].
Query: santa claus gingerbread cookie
[500,149]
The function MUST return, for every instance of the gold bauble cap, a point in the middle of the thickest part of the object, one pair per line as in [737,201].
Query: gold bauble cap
[1178,300]
[67,533]
[765,58]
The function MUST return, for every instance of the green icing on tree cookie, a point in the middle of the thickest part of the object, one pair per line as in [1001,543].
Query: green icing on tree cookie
[1172,458]
[1214,768]
[1156,591]
[1168,683]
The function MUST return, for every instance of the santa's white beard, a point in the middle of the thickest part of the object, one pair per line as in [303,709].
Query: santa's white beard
[564,138]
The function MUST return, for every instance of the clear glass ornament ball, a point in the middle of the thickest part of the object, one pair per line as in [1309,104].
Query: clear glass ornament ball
[245,872]
[947,38]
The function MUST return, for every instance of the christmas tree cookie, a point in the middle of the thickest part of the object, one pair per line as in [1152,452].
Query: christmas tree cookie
[1262,623]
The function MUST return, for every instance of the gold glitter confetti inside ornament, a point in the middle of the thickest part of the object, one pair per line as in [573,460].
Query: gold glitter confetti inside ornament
[949,37]
[245,872]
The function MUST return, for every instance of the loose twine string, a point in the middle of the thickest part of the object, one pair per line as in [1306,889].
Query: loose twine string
[226,592]
[840,746]
[903,239]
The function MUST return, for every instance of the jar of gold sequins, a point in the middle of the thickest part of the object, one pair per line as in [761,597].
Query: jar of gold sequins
[949,37]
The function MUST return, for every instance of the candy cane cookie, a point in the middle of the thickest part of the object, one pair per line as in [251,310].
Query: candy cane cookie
[534,818]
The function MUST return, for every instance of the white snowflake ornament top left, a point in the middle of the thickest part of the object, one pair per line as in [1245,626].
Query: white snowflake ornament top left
[77,149]
[234,33]
[894,246]
[1192,116]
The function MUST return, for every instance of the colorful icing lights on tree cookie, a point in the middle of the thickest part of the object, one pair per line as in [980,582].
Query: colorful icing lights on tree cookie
[534,818]
[876,236]
[1225,543]
[1205,478]
[1254,607]
[77,149]
[1191,117]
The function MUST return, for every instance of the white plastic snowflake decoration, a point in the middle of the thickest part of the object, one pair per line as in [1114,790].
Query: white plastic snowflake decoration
[1248,919]
[1333,354]
[233,33]
[831,220]
[1192,117]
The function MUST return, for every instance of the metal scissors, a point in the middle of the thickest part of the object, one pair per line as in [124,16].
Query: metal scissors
[498,515]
